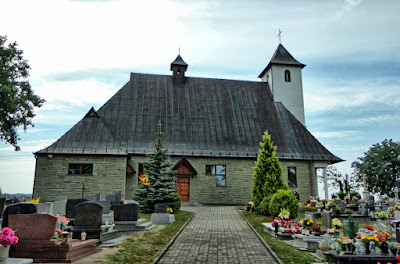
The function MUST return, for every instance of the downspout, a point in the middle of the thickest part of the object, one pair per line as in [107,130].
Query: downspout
[311,178]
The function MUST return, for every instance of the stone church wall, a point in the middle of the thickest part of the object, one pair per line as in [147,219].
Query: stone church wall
[239,172]
[52,178]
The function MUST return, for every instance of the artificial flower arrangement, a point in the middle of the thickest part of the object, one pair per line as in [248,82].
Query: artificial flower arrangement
[8,237]
[36,201]
[361,201]
[276,221]
[316,229]
[288,230]
[348,211]
[343,240]
[284,214]
[337,223]
[62,223]
[384,236]
[382,215]
[250,204]
[369,227]
[169,210]
[307,222]
[332,231]
[367,240]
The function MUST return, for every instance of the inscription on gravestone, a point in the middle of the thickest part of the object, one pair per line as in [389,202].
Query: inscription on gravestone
[160,208]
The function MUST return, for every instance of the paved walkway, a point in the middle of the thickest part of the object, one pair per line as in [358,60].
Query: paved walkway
[217,235]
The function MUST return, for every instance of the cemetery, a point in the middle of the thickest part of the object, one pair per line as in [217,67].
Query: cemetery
[348,230]
[66,230]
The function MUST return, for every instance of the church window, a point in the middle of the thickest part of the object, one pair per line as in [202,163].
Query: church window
[220,173]
[75,168]
[292,177]
[287,76]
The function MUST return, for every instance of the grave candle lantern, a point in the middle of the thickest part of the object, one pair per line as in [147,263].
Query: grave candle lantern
[64,237]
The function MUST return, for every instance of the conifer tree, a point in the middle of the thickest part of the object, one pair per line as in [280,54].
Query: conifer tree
[267,176]
[161,180]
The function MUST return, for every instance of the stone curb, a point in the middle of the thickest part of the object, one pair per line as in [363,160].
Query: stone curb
[173,240]
[262,240]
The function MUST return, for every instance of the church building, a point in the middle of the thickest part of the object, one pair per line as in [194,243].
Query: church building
[212,129]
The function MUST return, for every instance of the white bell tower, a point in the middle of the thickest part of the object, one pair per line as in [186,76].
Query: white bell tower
[283,75]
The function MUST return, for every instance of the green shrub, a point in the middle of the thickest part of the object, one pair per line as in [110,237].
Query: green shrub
[176,203]
[284,199]
[264,205]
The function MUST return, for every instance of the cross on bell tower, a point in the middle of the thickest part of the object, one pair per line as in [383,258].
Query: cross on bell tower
[279,35]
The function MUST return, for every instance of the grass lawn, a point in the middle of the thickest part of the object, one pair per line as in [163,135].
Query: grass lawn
[144,247]
[286,253]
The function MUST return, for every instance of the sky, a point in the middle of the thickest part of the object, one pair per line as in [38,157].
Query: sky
[82,51]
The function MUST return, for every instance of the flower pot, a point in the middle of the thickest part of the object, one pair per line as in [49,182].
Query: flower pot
[384,248]
[4,252]
[393,250]
[367,250]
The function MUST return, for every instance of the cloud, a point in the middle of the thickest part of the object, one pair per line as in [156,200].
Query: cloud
[347,7]
[337,134]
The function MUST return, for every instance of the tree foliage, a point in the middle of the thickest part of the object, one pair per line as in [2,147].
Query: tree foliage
[17,100]
[161,180]
[284,199]
[267,176]
[381,166]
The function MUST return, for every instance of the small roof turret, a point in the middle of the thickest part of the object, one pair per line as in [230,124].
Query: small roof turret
[179,62]
[282,57]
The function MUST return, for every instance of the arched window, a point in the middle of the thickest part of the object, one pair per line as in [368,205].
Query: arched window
[287,76]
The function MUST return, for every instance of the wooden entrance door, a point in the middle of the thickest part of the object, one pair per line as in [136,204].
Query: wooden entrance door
[183,188]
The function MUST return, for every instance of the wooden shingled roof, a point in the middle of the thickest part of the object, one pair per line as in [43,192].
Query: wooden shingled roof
[88,136]
[200,117]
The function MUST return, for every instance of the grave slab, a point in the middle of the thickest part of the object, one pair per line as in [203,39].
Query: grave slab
[162,218]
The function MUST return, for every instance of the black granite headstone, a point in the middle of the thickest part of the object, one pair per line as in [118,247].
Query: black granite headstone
[126,212]
[112,198]
[69,208]
[19,208]
[98,196]
[160,208]
[371,200]
[2,203]
[342,206]
[88,215]
[106,206]
[89,198]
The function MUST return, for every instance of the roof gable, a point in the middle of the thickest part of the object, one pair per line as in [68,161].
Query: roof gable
[183,167]
[88,136]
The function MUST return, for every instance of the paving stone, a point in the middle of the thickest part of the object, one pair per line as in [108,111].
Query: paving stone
[217,234]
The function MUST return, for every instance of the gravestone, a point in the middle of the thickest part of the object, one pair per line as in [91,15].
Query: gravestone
[363,209]
[35,232]
[59,207]
[296,194]
[126,212]
[397,215]
[88,218]
[44,207]
[2,203]
[341,205]
[106,206]
[129,201]
[71,203]
[19,208]
[326,220]
[98,196]
[160,208]
[309,215]
[112,198]
[88,214]
[61,198]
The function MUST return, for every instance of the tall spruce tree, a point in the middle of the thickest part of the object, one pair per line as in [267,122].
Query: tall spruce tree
[161,180]
[267,176]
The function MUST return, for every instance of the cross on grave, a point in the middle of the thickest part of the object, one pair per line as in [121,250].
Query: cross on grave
[279,35]
[83,189]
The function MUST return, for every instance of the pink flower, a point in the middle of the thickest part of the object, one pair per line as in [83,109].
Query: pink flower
[7,231]
[14,240]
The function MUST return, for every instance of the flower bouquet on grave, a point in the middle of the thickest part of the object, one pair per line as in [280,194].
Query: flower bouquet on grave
[307,223]
[384,237]
[337,223]
[393,247]
[333,232]
[249,206]
[62,223]
[382,215]
[169,210]
[284,214]
[8,237]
